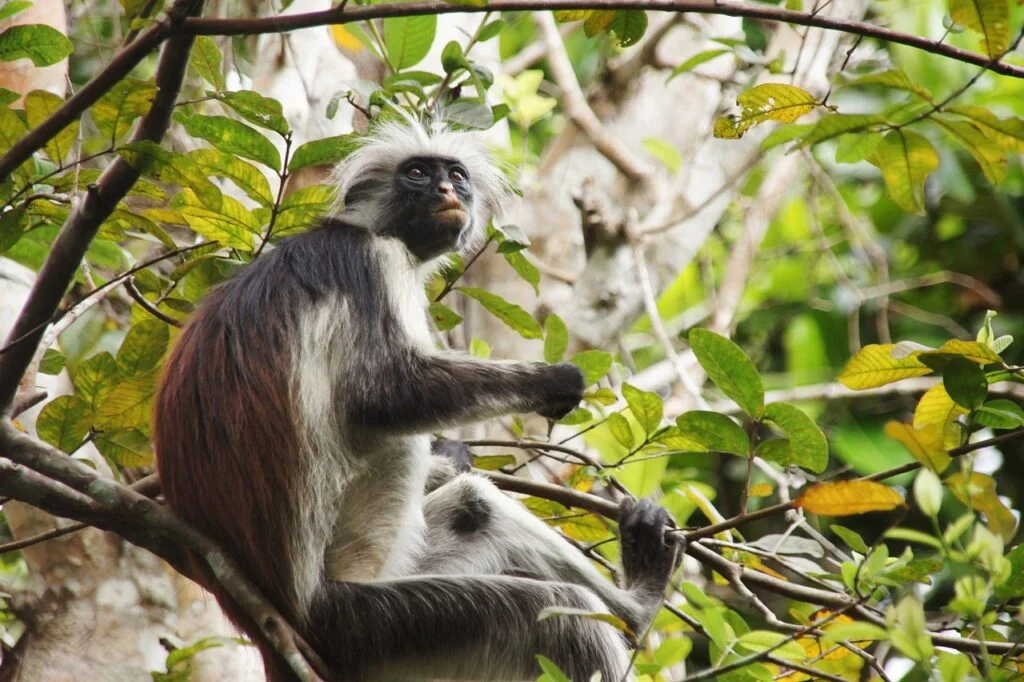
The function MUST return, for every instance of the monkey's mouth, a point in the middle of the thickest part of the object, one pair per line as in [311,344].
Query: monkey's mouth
[451,211]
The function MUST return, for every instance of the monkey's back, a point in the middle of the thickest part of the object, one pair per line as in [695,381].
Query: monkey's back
[224,425]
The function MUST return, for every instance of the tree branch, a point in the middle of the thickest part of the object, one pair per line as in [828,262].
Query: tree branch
[341,15]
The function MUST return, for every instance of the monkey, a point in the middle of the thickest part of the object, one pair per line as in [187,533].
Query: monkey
[292,421]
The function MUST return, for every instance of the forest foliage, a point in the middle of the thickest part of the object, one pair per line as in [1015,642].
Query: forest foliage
[855,537]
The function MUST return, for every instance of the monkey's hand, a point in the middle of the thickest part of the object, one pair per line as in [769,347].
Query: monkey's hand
[648,560]
[562,388]
[455,452]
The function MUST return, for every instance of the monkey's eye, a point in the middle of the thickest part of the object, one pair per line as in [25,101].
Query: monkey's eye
[416,173]
[457,175]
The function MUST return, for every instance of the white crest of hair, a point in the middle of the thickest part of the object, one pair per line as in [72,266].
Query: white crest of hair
[393,142]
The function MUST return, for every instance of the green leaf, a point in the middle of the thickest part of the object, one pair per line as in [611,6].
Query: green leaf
[131,448]
[493,462]
[12,7]
[646,406]
[95,379]
[1007,132]
[39,105]
[594,364]
[444,317]
[854,148]
[329,150]
[965,382]
[829,127]
[407,40]
[8,96]
[43,44]
[1014,585]
[470,114]
[696,60]
[206,60]
[665,152]
[64,422]
[524,268]
[779,643]
[990,18]
[711,432]
[155,162]
[231,136]
[986,150]
[53,362]
[303,209]
[12,226]
[491,30]
[247,177]
[767,102]
[894,79]
[143,347]
[908,631]
[129,403]
[808,447]
[511,314]
[1000,414]
[552,673]
[265,112]
[598,22]
[233,225]
[730,369]
[556,339]
[116,111]
[620,429]
[906,159]
[628,26]
[852,538]
[567,15]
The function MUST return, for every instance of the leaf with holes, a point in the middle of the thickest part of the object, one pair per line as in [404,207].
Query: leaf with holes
[762,103]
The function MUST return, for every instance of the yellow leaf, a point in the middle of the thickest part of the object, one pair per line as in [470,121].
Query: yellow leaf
[761,490]
[990,18]
[598,22]
[567,15]
[925,444]
[906,159]
[875,365]
[936,407]
[766,102]
[345,39]
[585,528]
[845,498]
[979,493]
[971,350]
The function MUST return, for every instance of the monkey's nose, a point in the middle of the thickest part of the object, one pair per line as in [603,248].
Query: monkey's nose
[446,188]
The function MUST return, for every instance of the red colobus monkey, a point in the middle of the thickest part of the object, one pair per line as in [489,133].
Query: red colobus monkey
[291,427]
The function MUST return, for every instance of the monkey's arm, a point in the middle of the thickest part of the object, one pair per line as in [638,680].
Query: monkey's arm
[462,627]
[428,392]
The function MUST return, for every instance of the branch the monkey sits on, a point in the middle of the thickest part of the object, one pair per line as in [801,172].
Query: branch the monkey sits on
[291,427]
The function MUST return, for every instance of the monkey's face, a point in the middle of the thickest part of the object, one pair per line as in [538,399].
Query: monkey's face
[433,202]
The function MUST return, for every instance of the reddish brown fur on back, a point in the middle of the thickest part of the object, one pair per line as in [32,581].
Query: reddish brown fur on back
[226,445]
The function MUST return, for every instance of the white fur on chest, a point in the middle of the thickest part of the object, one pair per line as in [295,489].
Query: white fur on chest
[404,280]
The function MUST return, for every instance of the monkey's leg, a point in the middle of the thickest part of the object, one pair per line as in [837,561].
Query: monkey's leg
[460,627]
[433,392]
[472,527]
